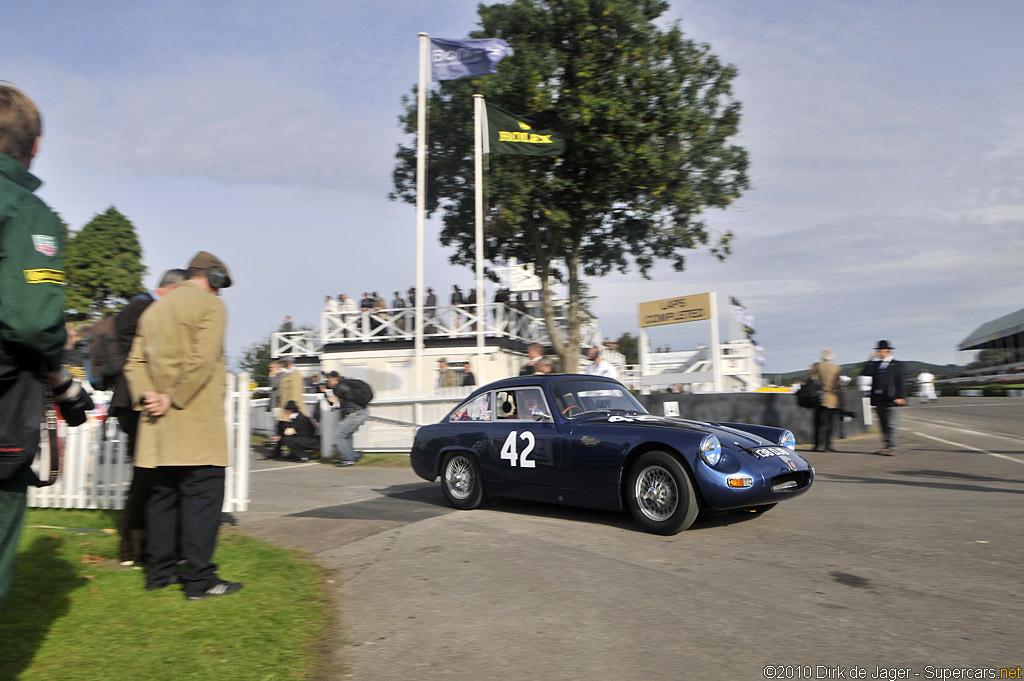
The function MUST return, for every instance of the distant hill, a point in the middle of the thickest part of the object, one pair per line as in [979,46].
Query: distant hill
[911,369]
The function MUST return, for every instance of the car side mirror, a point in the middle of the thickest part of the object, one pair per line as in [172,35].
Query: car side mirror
[539,415]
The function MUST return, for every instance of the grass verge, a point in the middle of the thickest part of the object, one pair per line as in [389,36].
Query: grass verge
[75,614]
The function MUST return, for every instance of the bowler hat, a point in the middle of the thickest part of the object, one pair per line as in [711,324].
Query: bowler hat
[291,406]
[884,345]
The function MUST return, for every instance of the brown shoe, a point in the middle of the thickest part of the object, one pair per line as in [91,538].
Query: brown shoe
[892,452]
[885,452]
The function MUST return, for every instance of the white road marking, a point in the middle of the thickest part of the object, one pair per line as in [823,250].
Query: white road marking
[956,426]
[284,468]
[958,406]
[969,447]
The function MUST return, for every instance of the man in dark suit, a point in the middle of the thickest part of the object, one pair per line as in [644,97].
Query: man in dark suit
[299,435]
[888,390]
[133,517]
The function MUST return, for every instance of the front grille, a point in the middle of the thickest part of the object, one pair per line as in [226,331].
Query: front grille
[790,482]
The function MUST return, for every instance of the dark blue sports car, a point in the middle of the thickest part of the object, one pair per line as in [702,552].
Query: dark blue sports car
[586,441]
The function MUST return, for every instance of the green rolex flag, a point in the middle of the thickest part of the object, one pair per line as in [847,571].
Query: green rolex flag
[534,135]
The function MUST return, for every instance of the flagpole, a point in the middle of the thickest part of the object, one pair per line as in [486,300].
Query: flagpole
[478,114]
[421,190]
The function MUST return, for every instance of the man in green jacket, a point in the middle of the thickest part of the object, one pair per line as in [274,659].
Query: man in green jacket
[32,332]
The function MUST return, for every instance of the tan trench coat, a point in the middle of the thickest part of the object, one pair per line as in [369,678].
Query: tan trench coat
[290,390]
[827,373]
[179,351]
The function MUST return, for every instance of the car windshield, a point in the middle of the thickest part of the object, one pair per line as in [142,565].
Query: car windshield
[576,397]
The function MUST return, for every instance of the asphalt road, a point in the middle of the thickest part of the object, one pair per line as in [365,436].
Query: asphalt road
[909,562]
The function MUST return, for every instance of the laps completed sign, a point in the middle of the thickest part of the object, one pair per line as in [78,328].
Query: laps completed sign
[675,310]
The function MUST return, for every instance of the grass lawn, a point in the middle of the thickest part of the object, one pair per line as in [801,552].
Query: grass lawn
[74,613]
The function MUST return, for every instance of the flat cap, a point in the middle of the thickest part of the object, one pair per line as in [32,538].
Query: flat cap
[204,260]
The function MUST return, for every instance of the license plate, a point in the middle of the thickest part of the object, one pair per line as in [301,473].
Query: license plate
[764,452]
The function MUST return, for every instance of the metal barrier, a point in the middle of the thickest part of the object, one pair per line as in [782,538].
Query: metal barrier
[390,427]
[96,471]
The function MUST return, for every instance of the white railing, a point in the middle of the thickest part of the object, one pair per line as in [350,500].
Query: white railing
[295,343]
[453,321]
[96,471]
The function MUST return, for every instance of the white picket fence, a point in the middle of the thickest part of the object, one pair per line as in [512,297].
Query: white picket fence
[96,472]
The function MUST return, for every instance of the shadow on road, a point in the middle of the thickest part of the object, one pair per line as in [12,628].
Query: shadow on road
[833,477]
[400,503]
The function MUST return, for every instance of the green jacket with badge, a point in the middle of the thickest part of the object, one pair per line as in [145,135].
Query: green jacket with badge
[31,271]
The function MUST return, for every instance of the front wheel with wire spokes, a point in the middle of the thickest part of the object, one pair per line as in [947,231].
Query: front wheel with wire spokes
[660,494]
[460,480]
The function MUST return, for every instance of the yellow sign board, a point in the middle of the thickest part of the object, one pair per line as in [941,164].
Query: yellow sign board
[675,310]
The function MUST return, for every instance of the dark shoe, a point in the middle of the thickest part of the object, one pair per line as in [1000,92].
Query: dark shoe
[831,449]
[153,586]
[220,588]
[340,464]
[892,452]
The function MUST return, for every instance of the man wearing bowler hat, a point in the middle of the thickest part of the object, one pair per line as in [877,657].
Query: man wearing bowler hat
[177,378]
[888,390]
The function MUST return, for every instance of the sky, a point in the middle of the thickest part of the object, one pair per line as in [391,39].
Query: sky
[886,142]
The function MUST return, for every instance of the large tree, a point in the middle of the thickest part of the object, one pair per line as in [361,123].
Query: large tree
[649,119]
[104,265]
[256,361]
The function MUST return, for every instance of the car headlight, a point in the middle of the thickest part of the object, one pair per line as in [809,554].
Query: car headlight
[711,450]
[787,439]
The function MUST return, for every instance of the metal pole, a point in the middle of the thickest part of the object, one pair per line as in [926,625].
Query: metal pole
[478,165]
[644,341]
[421,192]
[716,353]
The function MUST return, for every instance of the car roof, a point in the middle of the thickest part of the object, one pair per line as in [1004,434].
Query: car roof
[542,380]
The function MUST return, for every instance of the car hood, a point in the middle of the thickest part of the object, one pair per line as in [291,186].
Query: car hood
[726,435]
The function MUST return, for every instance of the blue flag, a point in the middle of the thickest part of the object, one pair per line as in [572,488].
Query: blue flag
[451,59]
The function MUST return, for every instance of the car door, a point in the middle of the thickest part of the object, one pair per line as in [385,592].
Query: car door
[524,445]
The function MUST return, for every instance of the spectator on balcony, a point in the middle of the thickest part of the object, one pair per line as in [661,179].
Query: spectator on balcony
[330,305]
[429,311]
[398,304]
[366,306]
[286,325]
[347,308]
[456,301]
[471,304]
[501,308]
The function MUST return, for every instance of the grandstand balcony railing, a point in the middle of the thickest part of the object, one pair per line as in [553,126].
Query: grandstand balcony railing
[399,324]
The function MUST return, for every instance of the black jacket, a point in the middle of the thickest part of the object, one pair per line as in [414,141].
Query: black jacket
[125,325]
[888,384]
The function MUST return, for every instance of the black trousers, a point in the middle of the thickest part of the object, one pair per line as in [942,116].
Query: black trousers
[184,501]
[824,426]
[298,445]
[133,518]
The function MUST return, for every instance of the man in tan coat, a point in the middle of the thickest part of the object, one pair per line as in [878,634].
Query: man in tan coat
[289,389]
[826,373]
[177,379]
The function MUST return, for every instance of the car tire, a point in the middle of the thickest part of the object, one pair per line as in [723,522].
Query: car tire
[660,494]
[460,480]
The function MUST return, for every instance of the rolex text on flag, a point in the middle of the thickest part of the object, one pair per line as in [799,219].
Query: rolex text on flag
[537,134]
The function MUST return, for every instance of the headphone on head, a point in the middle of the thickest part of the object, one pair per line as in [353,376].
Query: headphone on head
[216,276]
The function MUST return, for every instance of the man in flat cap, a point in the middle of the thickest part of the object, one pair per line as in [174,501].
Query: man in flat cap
[177,379]
[888,390]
